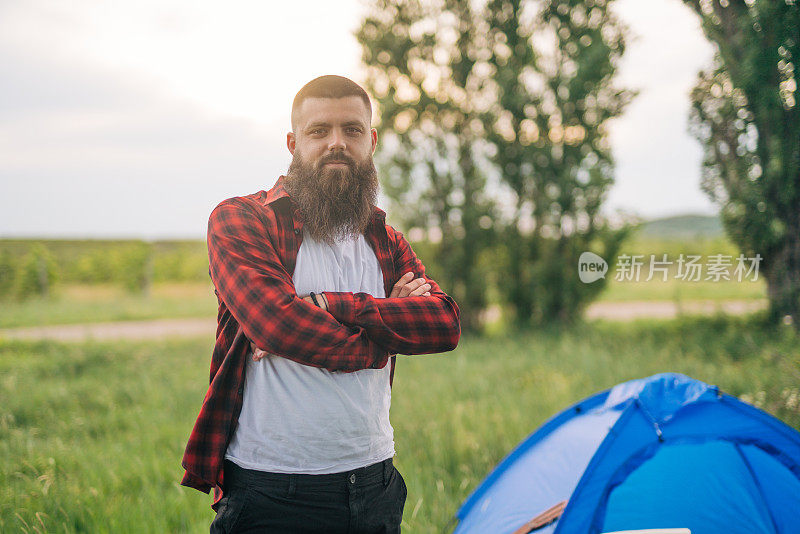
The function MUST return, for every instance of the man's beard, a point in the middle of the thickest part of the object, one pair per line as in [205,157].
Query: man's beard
[336,203]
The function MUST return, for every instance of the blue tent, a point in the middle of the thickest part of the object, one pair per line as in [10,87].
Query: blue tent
[661,452]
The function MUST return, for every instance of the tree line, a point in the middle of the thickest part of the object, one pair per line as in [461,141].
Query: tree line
[33,268]
[493,118]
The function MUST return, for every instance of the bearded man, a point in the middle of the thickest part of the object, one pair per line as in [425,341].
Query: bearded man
[317,294]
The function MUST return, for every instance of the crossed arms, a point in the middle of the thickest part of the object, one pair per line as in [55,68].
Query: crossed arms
[407,286]
[357,331]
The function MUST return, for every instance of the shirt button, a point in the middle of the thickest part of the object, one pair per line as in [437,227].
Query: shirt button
[297,230]
[352,479]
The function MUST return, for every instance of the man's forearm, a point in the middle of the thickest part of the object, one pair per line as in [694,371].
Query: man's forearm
[407,286]
[412,325]
[426,323]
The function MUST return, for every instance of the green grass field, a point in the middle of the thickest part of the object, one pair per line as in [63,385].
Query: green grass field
[681,291]
[94,303]
[675,289]
[91,435]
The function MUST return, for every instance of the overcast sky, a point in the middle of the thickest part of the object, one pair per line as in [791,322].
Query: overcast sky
[134,119]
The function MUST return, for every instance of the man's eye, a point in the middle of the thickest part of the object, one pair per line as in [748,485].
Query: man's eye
[354,131]
[317,131]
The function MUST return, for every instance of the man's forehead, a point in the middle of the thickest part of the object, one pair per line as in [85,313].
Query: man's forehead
[332,110]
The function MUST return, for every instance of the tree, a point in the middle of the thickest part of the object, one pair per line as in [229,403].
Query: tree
[745,112]
[136,267]
[8,273]
[494,114]
[420,59]
[37,273]
[552,66]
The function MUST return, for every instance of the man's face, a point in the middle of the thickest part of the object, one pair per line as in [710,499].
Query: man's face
[332,133]
[332,178]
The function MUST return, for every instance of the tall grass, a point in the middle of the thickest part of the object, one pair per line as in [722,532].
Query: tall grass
[91,435]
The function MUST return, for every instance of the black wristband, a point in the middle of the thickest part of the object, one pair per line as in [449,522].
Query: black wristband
[314,298]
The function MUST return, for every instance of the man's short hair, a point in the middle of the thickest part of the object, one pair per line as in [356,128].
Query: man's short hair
[329,86]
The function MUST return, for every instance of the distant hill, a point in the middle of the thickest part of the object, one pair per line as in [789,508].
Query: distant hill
[683,227]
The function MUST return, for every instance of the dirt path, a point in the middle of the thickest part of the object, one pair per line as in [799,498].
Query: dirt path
[168,328]
[156,329]
[627,311]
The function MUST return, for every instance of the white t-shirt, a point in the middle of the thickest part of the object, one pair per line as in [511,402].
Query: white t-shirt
[301,419]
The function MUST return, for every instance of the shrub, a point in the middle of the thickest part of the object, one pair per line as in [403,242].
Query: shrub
[36,274]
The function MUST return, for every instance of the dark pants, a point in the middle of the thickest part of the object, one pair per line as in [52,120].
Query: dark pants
[365,500]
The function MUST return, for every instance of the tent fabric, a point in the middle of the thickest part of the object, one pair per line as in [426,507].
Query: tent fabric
[566,443]
[684,475]
[661,452]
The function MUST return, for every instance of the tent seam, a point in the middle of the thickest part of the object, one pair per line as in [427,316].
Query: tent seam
[758,486]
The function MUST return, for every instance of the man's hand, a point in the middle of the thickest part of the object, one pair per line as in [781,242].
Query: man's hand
[407,286]
[323,302]
[258,353]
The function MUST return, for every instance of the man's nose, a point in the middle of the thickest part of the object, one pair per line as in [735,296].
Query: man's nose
[336,141]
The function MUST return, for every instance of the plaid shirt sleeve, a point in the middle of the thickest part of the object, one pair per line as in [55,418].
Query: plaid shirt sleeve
[408,325]
[260,294]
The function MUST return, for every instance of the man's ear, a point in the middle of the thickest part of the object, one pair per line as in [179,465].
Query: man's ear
[374,133]
[290,142]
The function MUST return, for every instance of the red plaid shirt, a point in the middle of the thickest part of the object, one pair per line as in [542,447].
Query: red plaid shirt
[252,248]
